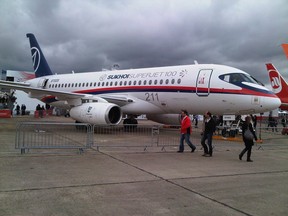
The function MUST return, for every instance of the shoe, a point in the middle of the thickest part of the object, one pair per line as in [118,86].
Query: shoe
[240,157]
[206,155]
[249,160]
[180,151]
[193,150]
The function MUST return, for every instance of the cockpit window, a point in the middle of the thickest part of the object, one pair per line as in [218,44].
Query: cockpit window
[236,78]
[257,81]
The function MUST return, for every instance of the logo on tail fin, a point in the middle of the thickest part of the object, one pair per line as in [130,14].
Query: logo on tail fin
[36,58]
[275,81]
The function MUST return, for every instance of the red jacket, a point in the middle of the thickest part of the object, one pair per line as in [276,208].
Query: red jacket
[186,125]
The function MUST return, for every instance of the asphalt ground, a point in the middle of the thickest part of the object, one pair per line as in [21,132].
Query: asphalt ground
[117,181]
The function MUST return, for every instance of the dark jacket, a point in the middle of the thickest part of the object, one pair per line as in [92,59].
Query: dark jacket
[245,127]
[210,126]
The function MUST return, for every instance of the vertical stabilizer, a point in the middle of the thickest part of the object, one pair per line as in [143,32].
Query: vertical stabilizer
[278,83]
[41,67]
[285,48]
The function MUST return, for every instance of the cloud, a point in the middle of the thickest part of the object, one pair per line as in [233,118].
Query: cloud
[91,35]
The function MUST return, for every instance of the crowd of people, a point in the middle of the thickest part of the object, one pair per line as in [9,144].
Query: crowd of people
[208,129]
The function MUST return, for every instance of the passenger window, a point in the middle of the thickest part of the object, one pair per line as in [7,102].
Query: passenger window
[179,81]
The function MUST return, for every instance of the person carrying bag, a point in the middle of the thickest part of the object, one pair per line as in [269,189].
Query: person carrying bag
[248,134]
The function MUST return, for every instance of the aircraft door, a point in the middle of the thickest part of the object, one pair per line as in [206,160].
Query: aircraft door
[42,83]
[203,82]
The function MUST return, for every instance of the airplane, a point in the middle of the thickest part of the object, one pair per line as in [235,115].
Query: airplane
[160,92]
[279,85]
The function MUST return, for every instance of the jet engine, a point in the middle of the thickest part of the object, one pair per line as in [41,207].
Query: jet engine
[97,113]
[169,119]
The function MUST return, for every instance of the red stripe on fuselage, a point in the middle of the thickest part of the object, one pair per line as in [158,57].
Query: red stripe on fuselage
[183,89]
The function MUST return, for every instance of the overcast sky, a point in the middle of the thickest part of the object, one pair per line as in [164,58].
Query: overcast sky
[89,35]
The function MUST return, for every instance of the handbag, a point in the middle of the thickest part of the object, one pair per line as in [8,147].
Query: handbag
[248,135]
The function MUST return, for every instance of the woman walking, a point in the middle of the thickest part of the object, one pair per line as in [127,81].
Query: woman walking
[248,134]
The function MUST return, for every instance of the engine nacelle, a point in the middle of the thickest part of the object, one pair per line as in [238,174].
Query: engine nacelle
[97,113]
[169,119]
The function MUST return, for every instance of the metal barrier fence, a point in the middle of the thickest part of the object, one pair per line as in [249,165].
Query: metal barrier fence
[125,136]
[44,135]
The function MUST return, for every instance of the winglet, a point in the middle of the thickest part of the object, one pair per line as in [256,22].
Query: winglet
[41,67]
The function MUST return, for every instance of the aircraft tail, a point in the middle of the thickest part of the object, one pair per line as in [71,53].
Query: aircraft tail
[41,67]
[278,83]
[285,48]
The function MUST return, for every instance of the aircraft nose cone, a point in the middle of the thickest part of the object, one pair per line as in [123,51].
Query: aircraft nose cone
[272,103]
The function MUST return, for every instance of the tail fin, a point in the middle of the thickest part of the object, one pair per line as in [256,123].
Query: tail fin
[285,48]
[41,67]
[278,83]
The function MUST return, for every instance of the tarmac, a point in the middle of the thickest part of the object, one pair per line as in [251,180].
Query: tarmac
[136,182]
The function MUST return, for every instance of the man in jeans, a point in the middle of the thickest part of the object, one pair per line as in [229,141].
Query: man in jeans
[207,133]
[185,131]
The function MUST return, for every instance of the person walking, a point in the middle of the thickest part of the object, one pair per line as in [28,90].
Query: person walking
[209,127]
[17,109]
[247,134]
[185,132]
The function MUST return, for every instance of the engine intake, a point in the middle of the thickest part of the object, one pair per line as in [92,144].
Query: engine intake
[97,113]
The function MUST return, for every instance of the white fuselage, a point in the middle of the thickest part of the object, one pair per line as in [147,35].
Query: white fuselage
[196,88]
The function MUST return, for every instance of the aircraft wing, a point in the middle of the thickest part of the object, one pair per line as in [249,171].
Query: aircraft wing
[40,92]
[120,100]
[14,83]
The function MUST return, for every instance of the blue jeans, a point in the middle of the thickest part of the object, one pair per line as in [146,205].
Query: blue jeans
[185,137]
[208,149]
